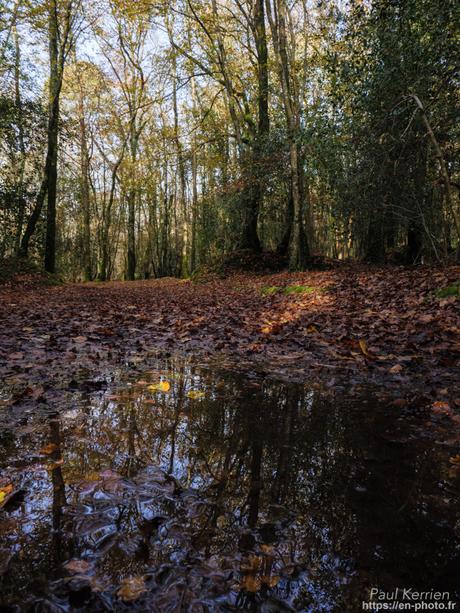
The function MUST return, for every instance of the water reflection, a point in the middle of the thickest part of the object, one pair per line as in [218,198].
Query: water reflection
[198,490]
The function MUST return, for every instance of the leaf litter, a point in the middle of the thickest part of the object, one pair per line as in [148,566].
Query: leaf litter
[151,506]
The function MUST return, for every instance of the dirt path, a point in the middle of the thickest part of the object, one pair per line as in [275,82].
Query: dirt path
[387,326]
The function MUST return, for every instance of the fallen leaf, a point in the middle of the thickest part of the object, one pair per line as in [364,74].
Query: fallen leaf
[195,394]
[396,369]
[35,392]
[440,406]
[363,347]
[48,449]
[78,567]
[399,402]
[251,583]
[270,580]
[163,386]
[426,319]
[4,492]
[131,588]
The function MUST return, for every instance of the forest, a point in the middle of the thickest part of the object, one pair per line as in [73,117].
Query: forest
[229,306]
[145,139]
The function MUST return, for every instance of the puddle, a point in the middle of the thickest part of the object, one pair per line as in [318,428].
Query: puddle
[191,489]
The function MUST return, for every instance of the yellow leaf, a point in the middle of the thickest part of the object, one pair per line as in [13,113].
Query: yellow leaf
[455,460]
[363,347]
[5,491]
[195,394]
[163,386]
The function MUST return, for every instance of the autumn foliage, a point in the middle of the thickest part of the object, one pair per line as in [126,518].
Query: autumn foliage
[394,325]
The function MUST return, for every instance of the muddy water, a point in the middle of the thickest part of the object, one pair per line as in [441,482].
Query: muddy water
[191,489]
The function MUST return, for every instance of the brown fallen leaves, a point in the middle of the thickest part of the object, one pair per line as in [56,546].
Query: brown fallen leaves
[48,449]
[77,567]
[385,325]
[132,588]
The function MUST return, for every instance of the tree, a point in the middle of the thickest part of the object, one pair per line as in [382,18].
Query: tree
[61,18]
[184,131]
[298,243]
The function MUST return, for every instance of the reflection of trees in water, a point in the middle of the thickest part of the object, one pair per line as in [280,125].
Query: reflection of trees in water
[266,472]
[58,487]
[248,446]
[38,543]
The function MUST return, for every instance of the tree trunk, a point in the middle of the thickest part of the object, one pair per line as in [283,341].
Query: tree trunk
[299,252]
[22,148]
[183,235]
[55,88]
[283,247]
[374,241]
[131,270]
[442,165]
[59,42]
[84,187]
[298,245]
[255,192]
[193,246]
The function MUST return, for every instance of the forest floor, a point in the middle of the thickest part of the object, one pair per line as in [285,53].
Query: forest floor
[131,414]
[396,327]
